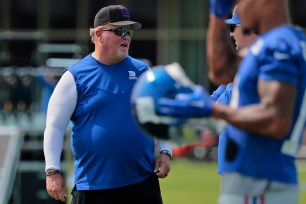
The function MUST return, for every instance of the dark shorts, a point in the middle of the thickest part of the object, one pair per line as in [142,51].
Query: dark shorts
[146,192]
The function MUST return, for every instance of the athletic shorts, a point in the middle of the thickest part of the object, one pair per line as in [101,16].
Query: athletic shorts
[238,189]
[146,192]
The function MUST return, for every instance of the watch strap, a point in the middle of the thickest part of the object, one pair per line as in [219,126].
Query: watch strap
[166,152]
[50,172]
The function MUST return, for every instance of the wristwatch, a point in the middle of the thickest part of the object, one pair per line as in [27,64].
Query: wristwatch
[50,172]
[166,152]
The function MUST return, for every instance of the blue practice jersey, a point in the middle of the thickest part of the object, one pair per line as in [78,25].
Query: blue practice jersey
[278,55]
[222,95]
[110,151]
[217,93]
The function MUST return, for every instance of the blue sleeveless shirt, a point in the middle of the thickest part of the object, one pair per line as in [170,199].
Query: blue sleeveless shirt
[109,149]
[222,95]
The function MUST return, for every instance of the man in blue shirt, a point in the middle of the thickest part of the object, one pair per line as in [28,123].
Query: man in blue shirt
[224,92]
[114,161]
[266,115]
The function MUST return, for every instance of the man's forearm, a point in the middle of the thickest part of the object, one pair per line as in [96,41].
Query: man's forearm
[222,58]
[253,118]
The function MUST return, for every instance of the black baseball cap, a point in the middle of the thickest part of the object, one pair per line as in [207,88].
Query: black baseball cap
[116,15]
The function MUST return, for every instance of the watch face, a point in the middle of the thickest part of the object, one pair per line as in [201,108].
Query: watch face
[167,153]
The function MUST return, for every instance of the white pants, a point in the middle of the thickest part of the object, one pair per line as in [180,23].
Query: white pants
[238,189]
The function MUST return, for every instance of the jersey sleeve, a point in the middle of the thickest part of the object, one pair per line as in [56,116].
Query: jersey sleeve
[279,60]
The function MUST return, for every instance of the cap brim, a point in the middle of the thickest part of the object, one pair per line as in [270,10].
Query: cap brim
[231,21]
[135,25]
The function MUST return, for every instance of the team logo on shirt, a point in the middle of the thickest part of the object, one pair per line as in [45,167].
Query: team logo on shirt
[256,47]
[280,56]
[132,75]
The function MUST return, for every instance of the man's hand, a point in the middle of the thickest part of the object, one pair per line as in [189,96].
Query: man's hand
[221,8]
[55,186]
[195,104]
[162,166]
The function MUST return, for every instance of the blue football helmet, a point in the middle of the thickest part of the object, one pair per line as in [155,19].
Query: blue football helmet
[170,82]
[158,82]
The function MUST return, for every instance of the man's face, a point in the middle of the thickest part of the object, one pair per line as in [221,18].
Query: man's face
[114,45]
[242,40]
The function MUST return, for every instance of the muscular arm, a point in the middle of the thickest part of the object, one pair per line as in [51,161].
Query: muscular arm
[223,61]
[271,117]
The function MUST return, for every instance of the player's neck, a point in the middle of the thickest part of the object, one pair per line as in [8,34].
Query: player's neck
[274,17]
[273,22]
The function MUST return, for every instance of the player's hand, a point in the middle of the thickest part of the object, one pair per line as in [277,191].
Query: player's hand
[221,8]
[55,186]
[196,104]
[162,166]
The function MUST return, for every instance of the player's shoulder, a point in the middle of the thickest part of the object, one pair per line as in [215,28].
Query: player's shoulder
[282,43]
[284,37]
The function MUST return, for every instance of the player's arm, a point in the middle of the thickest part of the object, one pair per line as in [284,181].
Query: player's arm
[271,117]
[223,60]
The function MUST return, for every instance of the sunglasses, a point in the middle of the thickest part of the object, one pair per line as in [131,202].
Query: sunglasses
[120,31]
[232,27]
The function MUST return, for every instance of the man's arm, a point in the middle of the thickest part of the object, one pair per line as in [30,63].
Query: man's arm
[271,117]
[162,161]
[61,106]
[223,60]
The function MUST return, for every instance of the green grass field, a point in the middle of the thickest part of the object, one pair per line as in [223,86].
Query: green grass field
[194,182]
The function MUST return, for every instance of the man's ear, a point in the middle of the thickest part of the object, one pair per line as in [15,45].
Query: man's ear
[99,34]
